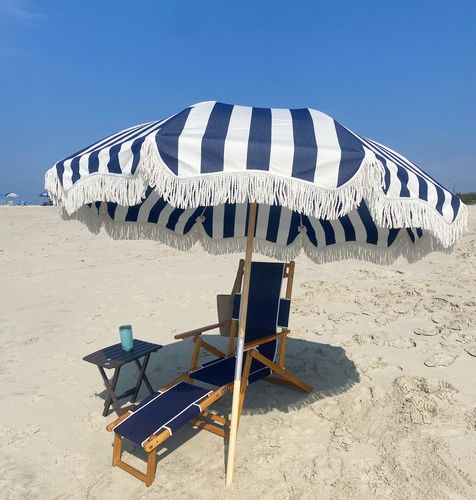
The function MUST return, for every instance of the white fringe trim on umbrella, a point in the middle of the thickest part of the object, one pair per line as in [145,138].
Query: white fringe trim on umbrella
[401,247]
[261,187]
[411,213]
[215,189]
[126,191]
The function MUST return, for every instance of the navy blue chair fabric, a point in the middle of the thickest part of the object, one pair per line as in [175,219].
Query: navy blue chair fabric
[266,311]
[221,371]
[283,315]
[263,300]
[284,310]
[164,410]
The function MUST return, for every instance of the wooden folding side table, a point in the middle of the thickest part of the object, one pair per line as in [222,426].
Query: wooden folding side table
[114,357]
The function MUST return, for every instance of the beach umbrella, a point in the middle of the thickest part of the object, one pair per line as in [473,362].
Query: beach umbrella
[10,197]
[273,181]
[47,202]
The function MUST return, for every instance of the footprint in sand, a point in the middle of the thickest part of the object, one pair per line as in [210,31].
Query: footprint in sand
[451,338]
[20,437]
[471,350]
[32,340]
[439,317]
[465,338]
[440,359]
[470,418]
[95,421]
[367,338]
[427,332]
[401,343]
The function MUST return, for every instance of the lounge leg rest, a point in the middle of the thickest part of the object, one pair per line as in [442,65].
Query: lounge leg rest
[147,477]
[217,425]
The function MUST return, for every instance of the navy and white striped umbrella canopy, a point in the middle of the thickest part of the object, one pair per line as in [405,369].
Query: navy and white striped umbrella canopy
[319,187]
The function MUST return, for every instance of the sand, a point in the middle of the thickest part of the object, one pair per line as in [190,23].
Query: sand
[391,352]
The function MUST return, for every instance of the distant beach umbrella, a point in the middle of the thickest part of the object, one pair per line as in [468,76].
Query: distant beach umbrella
[299,178]
[10,198]
[48,202]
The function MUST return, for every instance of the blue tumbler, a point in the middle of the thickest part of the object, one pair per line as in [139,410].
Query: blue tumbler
[127,341]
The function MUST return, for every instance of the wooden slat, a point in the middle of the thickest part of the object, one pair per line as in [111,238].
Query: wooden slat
[284,373]
[196,353]
[154,441]
[132,470]
[110,426]
[216,418]
[199,331]
[200,424]
[212,349]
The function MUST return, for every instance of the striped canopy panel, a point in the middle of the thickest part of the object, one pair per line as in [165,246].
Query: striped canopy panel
[319,186]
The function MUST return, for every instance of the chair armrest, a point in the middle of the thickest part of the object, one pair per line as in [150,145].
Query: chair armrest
[199,331]
[264,340]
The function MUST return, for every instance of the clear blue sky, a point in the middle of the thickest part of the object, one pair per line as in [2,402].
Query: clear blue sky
[400,72]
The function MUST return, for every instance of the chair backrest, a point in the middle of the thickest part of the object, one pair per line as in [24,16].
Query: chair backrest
[267,310]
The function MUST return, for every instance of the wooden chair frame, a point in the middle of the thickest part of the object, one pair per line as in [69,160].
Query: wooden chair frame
[154,441]
[209,421]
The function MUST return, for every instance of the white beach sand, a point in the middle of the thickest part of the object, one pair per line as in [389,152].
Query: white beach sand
[390,351]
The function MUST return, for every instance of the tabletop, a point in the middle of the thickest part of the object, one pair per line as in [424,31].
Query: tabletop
[114,356]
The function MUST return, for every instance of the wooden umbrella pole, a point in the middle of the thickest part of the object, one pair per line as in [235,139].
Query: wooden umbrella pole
[241,342]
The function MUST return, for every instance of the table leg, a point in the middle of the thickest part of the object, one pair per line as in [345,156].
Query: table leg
[111,387]
[141,376]
[146,380]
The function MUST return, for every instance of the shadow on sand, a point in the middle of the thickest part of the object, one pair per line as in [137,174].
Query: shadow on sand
[325,367]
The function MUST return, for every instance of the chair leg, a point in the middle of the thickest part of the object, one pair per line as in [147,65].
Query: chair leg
[151,466]
[273,379]
[149,476]
[282,348]
[116,451]
[282,371]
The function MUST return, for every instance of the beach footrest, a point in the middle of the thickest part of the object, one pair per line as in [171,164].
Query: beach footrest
[167,410]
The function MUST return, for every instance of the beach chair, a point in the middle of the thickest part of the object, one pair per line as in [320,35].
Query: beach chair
[185,399]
